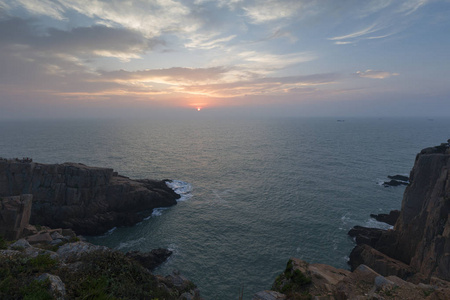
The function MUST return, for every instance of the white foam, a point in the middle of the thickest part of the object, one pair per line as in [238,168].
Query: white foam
[372,223]
[130,244]
[109,232]
[182,188]
[157,212]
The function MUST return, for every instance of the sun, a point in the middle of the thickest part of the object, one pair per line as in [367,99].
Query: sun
[199,108]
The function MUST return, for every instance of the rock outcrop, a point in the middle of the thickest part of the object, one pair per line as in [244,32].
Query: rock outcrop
[421,236]
[410,261]
[301,280]
[15,212]
[74,269]
[390,218]
[89,200]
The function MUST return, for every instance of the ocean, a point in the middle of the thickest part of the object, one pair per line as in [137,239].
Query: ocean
[255,191]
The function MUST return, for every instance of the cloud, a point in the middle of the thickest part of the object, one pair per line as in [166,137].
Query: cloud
[36,7]
[386,18]
[375,74]
[261,86]
[271,10]
[356,34]
[94,41]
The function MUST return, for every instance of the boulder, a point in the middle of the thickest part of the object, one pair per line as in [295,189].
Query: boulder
[57,287]
[269,295]
[20,244]
[399,177]
[390,218]
[15,212]
[152,259]
[393,182]
[42,237]
[365,235]
[381,263]
[76,250]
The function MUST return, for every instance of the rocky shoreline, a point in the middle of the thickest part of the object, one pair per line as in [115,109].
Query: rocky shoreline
[89,200]
[45,261]
[410,261]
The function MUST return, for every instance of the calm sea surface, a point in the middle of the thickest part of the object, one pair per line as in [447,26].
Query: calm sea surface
[255,191]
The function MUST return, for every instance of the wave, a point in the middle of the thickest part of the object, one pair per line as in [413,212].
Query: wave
[372,223]
[182,188]
[130,244]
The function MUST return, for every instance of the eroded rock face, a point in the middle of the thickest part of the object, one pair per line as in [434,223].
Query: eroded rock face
[15,212]
[421,235]
[423,225]
[89,200]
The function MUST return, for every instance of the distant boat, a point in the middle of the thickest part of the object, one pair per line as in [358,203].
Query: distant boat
[340,120]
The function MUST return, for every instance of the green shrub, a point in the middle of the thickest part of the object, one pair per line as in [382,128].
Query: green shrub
[37,290]
[3,243]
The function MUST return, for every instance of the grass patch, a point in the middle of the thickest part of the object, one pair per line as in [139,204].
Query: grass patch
[111,275]
[18,274]
[3,243]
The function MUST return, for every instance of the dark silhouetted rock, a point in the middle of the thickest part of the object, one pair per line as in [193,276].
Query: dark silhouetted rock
[421,235]
[399,177]
[15,212]
[394,183]
[365,235]
[152,259]
[89,200]
[390,218]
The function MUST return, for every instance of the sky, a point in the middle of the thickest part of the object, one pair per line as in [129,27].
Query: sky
[97,59]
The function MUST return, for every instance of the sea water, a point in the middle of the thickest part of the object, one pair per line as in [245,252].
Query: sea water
[255,192]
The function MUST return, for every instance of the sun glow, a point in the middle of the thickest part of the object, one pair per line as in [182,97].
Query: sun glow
[199,108]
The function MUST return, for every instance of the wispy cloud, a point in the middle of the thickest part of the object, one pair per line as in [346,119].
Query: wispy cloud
[386,18]
[370,29]
[375,74]
[270,10]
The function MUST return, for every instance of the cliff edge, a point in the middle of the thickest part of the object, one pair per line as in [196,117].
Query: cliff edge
[410,261]
[420,240]
[89,200]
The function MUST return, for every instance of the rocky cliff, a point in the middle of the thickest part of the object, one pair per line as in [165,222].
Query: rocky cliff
[410,261]
[420,240]
[89,200]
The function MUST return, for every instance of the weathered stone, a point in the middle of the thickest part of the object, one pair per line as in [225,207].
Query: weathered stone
[20,244]
[269,295]
[56,235]
[15,214]
[77,249]
[421,236]
[42,237]
[365,235]
[88,200]
[68,233]
[381,263]
[390,218]
[394,183]
[57,287]
[399,177]
[29,230]
[152,259]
